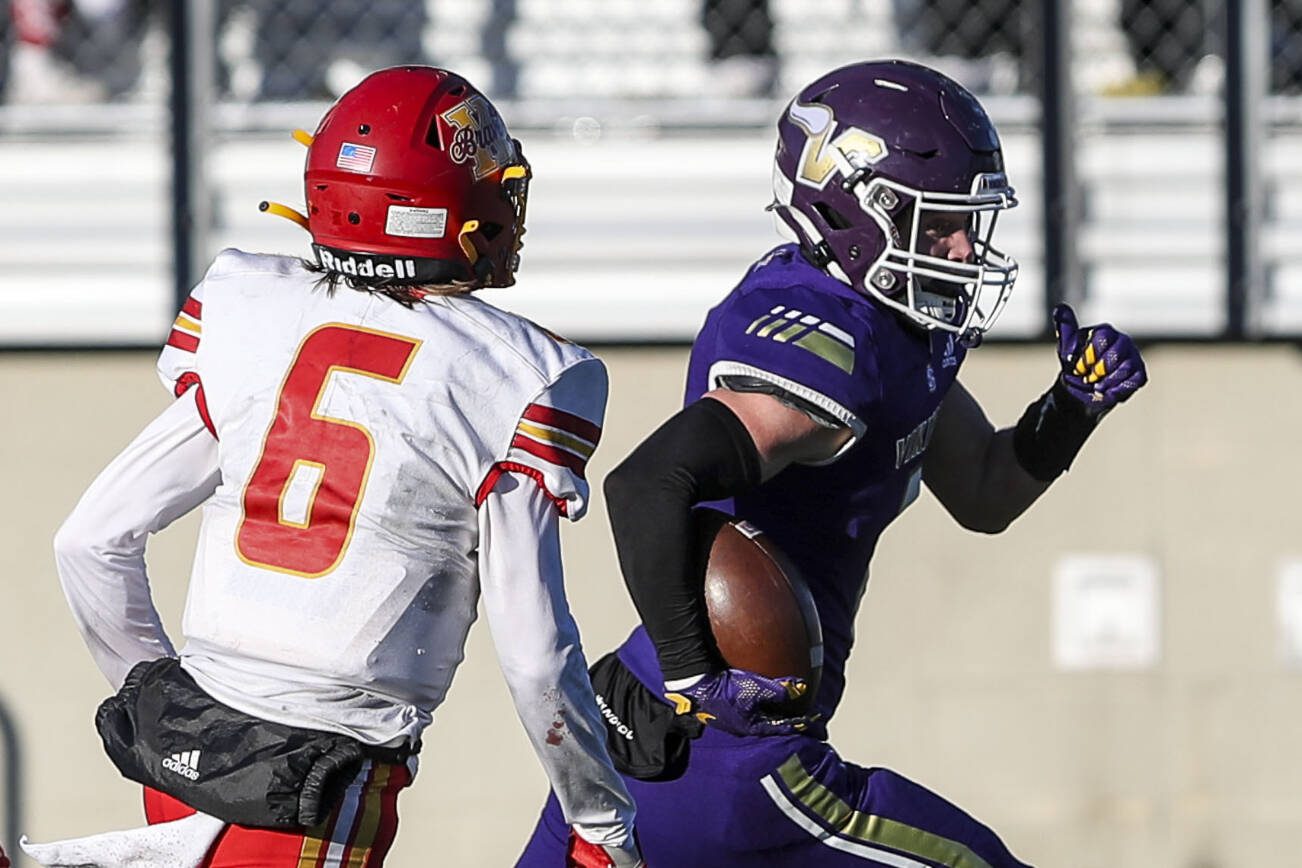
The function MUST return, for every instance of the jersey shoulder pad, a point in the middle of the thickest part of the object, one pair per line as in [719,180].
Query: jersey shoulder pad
[815,345]
[511,336]
[232,262]
[555,435]
[180,353]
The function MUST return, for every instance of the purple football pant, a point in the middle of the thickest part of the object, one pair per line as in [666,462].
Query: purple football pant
[787,801]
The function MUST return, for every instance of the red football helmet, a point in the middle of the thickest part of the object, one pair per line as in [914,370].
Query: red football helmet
[412,178]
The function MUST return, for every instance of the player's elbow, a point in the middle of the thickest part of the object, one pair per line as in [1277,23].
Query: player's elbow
[80,542]
[626,486]
[533,676]
[986,527]
[982,520]
[73,541]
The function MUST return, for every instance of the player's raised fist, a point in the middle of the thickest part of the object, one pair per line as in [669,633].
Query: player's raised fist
[1101,367]
[580,854]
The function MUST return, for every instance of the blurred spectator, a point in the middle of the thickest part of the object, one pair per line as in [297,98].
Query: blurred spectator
[101,40]
[987,38]
[6,43]
[92,50]
[1177,45]
[506,71]
[39,71]
[741,47]
[1167,39]
[314,50]
[1286,46]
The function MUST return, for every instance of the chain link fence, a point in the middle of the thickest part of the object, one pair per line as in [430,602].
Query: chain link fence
[88,51]
[95,51]
[1139,104]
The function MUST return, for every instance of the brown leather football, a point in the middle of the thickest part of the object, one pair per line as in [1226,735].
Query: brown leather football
[761,612]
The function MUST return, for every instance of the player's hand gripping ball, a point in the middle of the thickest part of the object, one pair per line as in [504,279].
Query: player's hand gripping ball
[765,624]
[1101,367]
[744,703]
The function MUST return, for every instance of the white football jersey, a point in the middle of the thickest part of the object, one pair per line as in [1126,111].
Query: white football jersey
[336,574]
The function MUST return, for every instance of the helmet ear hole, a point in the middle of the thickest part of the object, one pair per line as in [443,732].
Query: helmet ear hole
[831,216]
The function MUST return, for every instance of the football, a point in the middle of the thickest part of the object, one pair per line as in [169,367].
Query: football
[761,612]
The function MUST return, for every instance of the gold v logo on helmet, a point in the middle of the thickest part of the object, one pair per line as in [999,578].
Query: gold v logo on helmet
[480,136]
[852,149]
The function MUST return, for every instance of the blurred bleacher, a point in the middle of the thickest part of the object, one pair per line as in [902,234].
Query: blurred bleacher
[652,163]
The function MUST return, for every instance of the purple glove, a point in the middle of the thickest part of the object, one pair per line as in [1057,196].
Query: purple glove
[1101,367]
[739,702]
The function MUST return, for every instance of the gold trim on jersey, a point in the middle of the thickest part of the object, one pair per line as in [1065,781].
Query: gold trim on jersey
[828,349]
[557,437]
[870,828]
[188,325]
[825,340]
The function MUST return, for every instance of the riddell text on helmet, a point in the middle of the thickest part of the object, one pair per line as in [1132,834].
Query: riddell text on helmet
[401,269]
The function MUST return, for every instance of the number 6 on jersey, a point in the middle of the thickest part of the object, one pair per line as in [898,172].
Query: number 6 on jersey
[300,504]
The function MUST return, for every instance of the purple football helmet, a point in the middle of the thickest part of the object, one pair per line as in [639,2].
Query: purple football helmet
[871,155]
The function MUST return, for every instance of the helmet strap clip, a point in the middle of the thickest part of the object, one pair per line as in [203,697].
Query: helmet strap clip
[819,255]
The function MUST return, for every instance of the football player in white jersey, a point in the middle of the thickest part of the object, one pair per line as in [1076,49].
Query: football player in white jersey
[374,449]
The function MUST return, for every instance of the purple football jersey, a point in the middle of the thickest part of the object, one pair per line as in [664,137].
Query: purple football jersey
[796,327]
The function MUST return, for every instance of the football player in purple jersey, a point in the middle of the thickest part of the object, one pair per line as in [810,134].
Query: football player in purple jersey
[821,393]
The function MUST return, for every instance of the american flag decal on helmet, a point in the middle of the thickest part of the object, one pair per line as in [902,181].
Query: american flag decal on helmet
[188,328]
[557,437]
[355,158]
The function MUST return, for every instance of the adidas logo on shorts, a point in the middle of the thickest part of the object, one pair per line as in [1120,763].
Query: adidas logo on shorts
[185,764]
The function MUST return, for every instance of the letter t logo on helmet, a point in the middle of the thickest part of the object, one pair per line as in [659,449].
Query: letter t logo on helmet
[412,176]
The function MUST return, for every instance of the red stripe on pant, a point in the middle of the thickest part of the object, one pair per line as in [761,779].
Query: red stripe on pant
[246,847]
[388,829]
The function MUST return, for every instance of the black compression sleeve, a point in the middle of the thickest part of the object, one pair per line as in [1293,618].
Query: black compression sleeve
[1050,433]
[702,453]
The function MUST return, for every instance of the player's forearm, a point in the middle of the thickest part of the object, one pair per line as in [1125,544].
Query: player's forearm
[650,519]
[702,453]
[1004,489]
[100,550]
[554,700]
[542,660]
[108,593]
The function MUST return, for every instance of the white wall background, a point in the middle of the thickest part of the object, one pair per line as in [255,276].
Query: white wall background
[1190,762]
